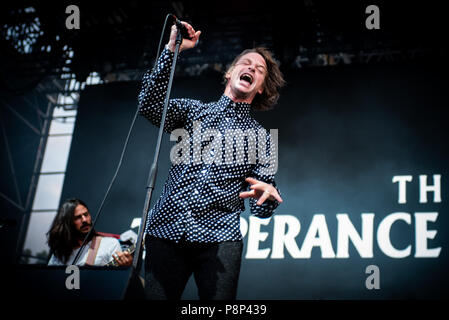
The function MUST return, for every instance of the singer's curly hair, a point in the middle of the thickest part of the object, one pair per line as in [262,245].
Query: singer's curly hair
[62,237]
[274,80]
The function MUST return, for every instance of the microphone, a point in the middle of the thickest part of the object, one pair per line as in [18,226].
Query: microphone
[182,28]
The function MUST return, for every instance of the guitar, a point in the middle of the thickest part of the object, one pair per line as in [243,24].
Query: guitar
[114,263]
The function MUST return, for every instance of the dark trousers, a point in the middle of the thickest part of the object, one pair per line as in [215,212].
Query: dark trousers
[169,265]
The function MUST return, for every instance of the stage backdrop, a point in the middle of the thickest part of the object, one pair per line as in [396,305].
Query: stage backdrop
[363,171]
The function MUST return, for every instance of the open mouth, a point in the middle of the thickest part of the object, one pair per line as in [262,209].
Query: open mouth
[247,78]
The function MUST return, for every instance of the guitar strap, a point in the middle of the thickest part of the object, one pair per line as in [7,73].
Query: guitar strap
[93,249]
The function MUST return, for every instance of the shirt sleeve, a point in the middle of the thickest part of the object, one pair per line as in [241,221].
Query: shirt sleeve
[108,247]
[152,96]
[54,261]
[264,171]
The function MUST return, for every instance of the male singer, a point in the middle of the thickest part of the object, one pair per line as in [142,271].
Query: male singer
[194,228]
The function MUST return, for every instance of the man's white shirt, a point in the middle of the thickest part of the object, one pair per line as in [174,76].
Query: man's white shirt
[108,246]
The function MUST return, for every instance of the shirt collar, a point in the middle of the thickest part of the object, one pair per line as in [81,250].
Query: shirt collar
[242,109]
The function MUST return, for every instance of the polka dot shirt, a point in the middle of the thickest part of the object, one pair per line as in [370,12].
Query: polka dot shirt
[200,200]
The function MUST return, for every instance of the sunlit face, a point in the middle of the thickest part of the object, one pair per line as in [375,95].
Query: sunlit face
[246,78]
[82,220]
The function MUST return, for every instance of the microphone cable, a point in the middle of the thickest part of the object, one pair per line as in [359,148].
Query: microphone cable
[122,154]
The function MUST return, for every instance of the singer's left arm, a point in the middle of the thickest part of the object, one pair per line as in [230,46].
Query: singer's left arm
[264,196]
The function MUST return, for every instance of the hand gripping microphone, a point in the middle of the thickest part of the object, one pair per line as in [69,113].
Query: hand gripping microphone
[182,28]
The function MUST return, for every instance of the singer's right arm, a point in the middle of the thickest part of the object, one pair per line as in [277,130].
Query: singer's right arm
[153,92]
[155,85]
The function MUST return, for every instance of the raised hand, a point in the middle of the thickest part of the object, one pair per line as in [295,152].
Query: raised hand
[186,43]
